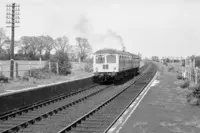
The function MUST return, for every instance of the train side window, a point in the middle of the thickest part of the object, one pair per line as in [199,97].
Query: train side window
[100,59]
[111,58]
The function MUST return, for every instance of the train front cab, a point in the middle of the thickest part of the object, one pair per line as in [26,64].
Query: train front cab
[105,66]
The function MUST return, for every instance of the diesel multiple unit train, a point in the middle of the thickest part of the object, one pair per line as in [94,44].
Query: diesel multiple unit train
[113,65]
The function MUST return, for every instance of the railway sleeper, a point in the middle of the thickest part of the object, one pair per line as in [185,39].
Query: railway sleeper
[95,121]
[104,114]
[90,127]
[14,122]
[93,125]
[101,117]
[91,120]
[26,117]
[26,130]
[5,127]
[80,130]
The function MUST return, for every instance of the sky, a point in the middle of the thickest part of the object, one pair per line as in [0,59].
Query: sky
[150,27]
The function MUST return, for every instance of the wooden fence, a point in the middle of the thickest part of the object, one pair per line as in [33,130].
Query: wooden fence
[191,72]
[25,66]
[21,67]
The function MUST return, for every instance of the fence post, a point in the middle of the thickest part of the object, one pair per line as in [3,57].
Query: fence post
[57,68]
[1,69]
[49,66]
[183,72]
[187,73]
[16,67]
[194,73]
[29,68]
[40,60]
[196,76]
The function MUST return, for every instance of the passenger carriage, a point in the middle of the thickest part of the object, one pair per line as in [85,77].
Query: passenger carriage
[111,64]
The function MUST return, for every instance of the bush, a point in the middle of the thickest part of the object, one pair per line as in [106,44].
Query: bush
[64,64]
[165,63]
[88,67]
[3,78]
[180,77]
[37,73]
[185,84]
[171,69]
[194,96]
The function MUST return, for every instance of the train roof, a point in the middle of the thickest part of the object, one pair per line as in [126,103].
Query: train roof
[113,51]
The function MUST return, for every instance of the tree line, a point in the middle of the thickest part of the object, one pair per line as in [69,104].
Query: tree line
[36,47]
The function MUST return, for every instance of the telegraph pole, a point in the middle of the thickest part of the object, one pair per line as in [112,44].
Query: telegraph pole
[12,17]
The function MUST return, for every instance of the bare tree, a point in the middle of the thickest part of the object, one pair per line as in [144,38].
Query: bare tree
[84,48]
[49,43]
[29,46]
[40,42]
[25,44]
[3,38]
[61,43]
[33,46]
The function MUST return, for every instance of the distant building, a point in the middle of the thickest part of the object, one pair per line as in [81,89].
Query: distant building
[171,59]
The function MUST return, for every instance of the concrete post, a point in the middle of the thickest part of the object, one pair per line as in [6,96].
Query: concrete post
[16,67]
[49,66]
[29,68]
[1,69]
[57,68]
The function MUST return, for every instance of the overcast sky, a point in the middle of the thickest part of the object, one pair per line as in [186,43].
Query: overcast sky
[149,27]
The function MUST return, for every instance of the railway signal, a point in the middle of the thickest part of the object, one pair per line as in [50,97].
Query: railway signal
[12,17]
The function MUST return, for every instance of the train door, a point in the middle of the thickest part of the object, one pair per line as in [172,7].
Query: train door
[111,63]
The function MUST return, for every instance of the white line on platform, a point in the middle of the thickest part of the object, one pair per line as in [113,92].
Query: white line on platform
[155,83]
[122,120]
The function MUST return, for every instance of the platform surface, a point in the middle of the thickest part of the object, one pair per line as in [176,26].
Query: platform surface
[164,109]
[15,86]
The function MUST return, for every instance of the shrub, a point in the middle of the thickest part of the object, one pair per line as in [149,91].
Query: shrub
[194,96]
[185,84]
[64,64]
[88,67]
[180,77]
[171,69]
[37,73]
[3,78]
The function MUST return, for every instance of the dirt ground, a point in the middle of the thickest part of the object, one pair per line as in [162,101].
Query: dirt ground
[165,109]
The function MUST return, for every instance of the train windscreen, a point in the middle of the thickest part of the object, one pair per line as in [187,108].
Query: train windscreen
[100,59]
[111,58]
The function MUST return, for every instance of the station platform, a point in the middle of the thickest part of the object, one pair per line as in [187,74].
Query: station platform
[163,109]
[18,85]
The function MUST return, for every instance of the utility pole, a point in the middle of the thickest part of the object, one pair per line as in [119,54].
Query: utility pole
[12,17]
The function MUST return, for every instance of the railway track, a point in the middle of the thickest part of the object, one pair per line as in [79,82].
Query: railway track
[13,121]
[38,115]
[101,119]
